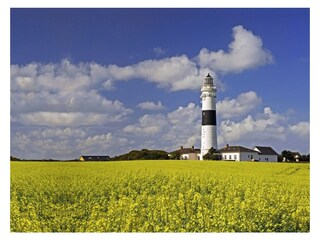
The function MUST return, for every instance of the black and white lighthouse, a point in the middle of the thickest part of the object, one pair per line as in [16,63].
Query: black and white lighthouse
[208,128]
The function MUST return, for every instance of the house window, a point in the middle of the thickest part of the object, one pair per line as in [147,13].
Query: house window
[248,156]
[229,157]
[225,157]
[235,157]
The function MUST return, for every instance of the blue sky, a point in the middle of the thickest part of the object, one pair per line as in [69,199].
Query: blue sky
[105,81]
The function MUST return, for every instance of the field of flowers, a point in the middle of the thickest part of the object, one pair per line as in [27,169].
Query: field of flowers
[159,196]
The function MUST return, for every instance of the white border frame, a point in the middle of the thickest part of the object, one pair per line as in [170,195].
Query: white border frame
[5,6]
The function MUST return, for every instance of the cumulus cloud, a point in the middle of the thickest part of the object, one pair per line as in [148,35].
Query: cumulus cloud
[32,145]
[184,126]
[252,130]
[62,101]
[59,133]
[181,72]
[173,73]
[102,139]
[245,51]
[61,95]
[148,105]
[52,104]
[302,129]
[147,125]
[180,127]
[189,114]
[159,51]
[66,118]
[65,143]
[168,131]
[144,130]
[64,76]
[238,107]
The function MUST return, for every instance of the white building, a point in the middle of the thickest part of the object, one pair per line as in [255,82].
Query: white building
[266,154]
[238,153]
[188,153]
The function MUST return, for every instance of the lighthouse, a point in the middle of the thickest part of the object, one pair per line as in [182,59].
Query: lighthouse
[208,128]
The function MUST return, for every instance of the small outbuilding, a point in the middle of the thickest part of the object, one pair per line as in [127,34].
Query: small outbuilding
[187,153]
[94,158]
[266,154]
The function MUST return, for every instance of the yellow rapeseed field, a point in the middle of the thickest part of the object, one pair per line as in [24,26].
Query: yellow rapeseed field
[159,196]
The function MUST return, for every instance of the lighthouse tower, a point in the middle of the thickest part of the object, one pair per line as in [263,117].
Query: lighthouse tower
[208,128]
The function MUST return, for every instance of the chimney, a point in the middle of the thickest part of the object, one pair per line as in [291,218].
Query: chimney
[227,145]
[181,147]
[192,147]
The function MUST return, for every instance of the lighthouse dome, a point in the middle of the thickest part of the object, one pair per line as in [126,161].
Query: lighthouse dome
[208,80]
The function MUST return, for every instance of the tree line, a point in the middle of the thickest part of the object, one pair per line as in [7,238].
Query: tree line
[289,156]
[146,154]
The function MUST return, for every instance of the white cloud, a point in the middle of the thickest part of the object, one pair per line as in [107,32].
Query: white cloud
[270,117]
[251,131]
[66,118]
[159,51]
[75,101]
[64,76]
[61,95]
[64,143]
[174,73]
[34,146]
[65,108]
[238,107]
[180,127]
[188,114]
[102,139]
[245,52]
[102,144]
[50,102]
[180,72]
[184,127]
[147,125]
[301,129]
[147,130]
[148,105]
[59,133]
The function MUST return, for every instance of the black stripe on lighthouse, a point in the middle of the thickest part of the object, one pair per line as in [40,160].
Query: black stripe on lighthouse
[209,117]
